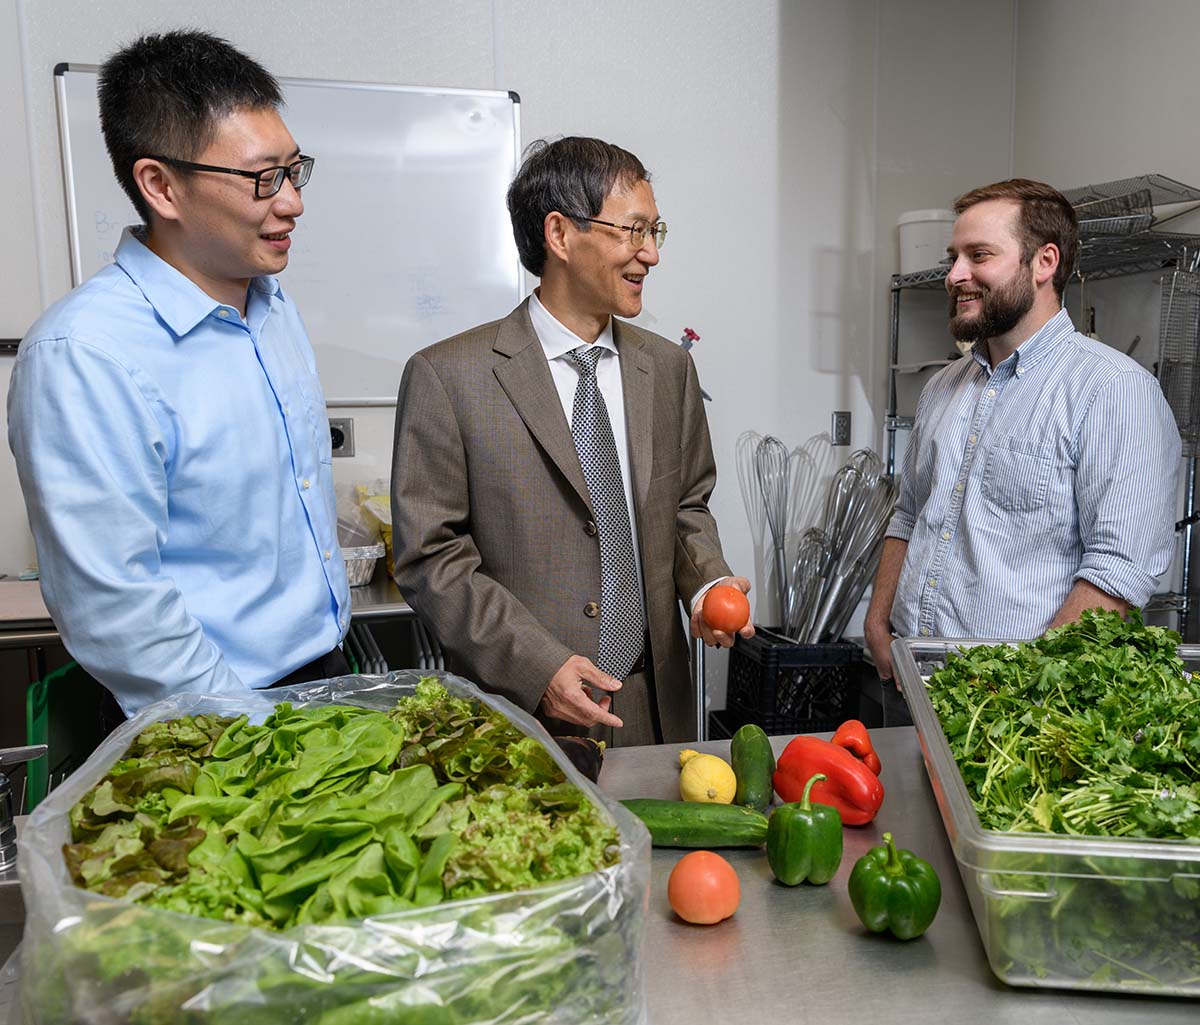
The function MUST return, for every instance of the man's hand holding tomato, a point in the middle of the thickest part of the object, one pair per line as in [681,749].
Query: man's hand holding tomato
[723,610]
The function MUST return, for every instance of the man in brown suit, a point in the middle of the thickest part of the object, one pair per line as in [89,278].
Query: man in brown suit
[522,447]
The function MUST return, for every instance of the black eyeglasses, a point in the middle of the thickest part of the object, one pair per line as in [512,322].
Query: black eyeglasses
[638,232]
[267,182]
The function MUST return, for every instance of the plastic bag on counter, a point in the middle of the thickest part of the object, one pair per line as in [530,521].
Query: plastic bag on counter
[375,500]
[356,528]
[562,952]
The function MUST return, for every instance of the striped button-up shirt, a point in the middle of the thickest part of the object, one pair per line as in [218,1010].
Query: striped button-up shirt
[1058,465]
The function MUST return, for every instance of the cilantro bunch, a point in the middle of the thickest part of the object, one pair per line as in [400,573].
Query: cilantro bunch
[1092,729]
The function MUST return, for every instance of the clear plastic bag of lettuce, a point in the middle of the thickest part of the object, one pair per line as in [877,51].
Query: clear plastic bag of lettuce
[374,931]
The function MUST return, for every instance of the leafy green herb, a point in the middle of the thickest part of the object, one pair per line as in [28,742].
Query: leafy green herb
[333,812]
[1092,730]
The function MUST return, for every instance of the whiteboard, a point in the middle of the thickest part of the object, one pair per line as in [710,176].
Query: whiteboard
[405,238]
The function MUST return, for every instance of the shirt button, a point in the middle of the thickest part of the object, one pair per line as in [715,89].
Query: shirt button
[945,535]
[222,312]
[328,554]
[971,439]
[591,610]
[933,581]
[991,393]
[306,485]
[590,529]
[1020,371]
[286,411]
[924,631]
[958,487]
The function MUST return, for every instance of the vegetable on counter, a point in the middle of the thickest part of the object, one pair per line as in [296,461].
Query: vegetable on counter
[703,888]
[753,764]
[706,779]
[804,841]
[850,786]
[725,608]
[683,824]
[1094,728]
[894,890]
[586,754]
[853,736]
[333,812]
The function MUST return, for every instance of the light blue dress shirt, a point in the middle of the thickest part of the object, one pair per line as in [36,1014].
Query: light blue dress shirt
[1058,465]
[176,467]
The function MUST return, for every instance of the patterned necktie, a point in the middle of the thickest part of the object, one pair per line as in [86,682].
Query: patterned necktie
[622,626]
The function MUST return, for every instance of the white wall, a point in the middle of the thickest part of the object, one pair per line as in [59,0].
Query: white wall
[20,300]
[944,127]
[784,138]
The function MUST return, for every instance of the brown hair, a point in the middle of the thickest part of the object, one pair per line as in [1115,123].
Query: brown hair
[1045,217]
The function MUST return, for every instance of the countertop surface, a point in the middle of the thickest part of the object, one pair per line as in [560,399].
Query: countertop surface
[22,608]
[21,605]
[799,955]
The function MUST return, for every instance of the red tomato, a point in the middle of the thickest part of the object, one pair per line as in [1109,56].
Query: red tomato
[703,888]
[725,608]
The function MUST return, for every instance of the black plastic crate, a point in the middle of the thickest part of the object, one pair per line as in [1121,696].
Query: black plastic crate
[720,726]
[787,687]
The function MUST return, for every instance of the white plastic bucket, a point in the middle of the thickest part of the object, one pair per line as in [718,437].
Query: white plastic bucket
[924,236]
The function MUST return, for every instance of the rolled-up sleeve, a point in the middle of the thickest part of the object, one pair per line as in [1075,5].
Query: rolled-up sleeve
[1127,461]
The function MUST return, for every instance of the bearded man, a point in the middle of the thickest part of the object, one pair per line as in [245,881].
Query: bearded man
[1040,476]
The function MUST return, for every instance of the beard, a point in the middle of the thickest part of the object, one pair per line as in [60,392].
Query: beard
[1001,309]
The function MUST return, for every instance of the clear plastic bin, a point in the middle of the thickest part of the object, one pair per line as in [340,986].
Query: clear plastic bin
[1077,912]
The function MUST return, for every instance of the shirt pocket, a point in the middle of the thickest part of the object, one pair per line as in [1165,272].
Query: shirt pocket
[1016,477]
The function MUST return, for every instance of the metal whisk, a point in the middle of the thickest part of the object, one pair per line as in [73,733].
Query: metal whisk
[772,467]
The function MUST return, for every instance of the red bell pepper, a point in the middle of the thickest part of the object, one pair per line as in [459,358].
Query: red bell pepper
[849,786]
[853,736]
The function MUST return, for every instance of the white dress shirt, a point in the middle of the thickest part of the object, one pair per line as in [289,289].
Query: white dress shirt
[557,341]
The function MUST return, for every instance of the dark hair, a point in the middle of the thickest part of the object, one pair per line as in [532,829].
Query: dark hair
[1045,216]
[165,94]
[573,176]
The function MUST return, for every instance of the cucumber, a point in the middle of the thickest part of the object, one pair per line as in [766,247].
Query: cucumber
[687,824]
[753,764]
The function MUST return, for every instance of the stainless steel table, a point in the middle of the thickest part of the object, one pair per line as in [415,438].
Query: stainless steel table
[799,955]
[379,599]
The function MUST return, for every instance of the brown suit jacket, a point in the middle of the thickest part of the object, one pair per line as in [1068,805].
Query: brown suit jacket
[492,527]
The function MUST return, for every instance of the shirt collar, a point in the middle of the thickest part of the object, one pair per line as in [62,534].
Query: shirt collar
[1035,348]
[178,300]
[557,339]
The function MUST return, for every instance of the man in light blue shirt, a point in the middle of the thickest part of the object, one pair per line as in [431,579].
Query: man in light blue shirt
[167,421]
[1039,480]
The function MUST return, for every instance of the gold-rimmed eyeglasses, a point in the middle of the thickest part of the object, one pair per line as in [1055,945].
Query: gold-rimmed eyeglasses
[639,231]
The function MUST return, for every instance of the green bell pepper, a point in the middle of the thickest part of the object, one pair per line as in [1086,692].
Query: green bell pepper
[804,840]
[894,890]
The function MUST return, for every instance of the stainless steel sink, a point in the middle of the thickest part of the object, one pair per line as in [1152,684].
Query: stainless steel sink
[12,908]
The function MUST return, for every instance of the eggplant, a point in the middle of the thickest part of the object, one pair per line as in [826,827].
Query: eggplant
[586,755]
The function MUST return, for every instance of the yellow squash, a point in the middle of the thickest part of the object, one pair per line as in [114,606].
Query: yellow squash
[707,779]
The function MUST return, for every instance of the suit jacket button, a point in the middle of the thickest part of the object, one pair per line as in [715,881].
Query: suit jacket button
[591,610]
[589,528]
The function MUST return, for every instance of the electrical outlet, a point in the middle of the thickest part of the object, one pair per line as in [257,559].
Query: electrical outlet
[341,436]
[841,427]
